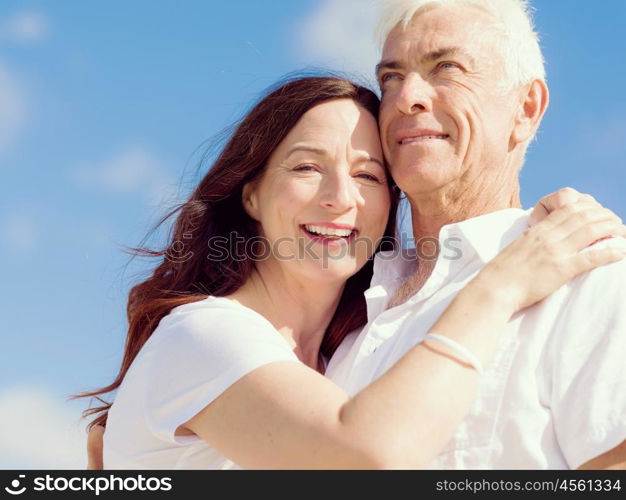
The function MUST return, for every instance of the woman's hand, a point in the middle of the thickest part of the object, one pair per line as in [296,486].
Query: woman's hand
[559,199]
[94,448]
[549,254]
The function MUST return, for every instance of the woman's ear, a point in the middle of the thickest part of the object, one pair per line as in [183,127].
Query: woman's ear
[533,106]
[250,201]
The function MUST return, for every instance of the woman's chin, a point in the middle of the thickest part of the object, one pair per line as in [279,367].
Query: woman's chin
[330,270]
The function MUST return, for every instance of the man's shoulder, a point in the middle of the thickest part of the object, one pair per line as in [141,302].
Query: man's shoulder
[590,309]
[609,279]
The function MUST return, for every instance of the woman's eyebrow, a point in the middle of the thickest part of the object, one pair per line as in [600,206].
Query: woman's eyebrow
[322,152]
[308,149]
[366,158]
[373,160]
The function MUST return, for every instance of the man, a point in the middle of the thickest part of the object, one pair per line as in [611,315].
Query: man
[463,93]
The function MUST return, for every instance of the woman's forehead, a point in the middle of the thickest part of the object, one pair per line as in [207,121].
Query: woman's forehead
[334,120]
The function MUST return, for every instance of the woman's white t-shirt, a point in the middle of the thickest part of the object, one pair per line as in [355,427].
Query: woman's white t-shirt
[193,356]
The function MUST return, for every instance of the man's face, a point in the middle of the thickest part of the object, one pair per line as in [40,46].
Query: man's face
[444,122]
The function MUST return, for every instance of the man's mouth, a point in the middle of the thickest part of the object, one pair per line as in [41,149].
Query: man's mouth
[422,138]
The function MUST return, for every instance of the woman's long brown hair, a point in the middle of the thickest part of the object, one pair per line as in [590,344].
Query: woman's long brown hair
[214,209]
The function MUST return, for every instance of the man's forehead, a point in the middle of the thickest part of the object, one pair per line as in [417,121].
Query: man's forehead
[439,28]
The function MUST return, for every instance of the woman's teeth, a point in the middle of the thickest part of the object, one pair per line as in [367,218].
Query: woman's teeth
[328,231]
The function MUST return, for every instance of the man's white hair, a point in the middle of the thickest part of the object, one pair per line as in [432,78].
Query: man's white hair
[519,46]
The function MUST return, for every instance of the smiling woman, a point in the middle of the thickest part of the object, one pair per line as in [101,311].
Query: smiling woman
[285,155]
[326,183]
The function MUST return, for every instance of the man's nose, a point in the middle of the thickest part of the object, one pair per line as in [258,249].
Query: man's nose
[339,193]
[414,96]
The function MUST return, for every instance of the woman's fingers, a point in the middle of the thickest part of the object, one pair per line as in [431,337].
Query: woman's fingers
[570,229]
[548,254]
[559,199]
[583,228]
[590,259]
[95,441]
[592,233]
[571,218]
[562,214]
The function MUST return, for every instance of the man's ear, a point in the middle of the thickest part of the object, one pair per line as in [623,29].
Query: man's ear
[534,102]
[250,201]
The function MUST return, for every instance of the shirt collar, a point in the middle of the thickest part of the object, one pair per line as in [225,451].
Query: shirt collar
[479,238]
[488,234]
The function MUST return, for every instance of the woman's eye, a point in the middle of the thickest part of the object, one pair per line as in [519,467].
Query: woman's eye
[305,168]
[369,177]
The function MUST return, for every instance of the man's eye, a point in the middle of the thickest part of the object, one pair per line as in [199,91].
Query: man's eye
[448,65]
[389,76]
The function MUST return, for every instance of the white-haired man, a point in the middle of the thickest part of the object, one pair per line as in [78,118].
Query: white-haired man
[464,92]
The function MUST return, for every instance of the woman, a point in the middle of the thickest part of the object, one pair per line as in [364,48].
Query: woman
[263,278]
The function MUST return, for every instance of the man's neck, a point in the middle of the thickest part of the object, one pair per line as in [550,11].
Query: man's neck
[431,212]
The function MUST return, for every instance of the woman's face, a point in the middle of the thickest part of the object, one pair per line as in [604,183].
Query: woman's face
[323,201]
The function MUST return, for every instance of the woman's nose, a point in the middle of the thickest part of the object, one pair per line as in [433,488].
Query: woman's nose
[339,193]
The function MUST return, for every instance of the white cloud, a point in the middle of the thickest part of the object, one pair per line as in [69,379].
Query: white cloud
[19,232]
[340,34]
[26,27]
[133,170]
[12,108]
[39,431]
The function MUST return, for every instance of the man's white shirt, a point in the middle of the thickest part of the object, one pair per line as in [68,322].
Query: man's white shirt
[555,394]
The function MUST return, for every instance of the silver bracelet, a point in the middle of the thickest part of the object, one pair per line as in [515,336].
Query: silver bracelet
[463,352]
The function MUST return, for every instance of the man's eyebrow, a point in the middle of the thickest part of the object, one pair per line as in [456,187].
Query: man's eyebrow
[388,64]
[444,52]
[434,55]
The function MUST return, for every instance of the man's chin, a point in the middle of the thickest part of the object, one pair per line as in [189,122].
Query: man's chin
[421,177]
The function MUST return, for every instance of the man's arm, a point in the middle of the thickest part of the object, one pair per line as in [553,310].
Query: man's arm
[587,370]
[614,459]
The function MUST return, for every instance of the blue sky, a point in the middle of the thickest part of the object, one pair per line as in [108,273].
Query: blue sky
[102,106]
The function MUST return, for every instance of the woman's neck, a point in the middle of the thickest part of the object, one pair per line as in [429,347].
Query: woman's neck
[300,311]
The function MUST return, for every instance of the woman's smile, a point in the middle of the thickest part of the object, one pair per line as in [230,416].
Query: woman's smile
[328,233]
[328,181]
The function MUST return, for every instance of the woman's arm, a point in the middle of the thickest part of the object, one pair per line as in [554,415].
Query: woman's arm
[94,448]
[288,416]
[443,411]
